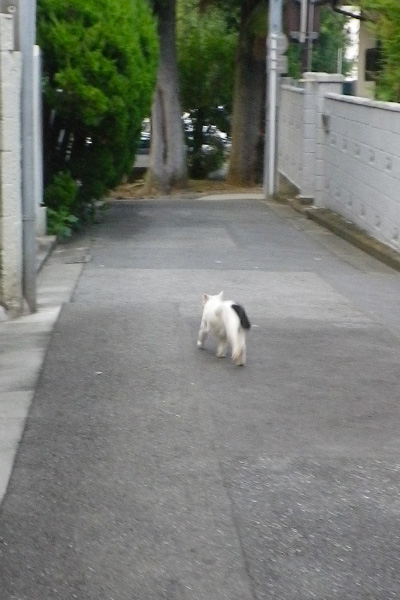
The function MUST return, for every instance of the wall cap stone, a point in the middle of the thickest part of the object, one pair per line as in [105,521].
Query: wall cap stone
[392,106]
[323,77]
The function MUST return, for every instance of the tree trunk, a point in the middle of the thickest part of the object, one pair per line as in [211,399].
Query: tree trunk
[248,104]
[167,167]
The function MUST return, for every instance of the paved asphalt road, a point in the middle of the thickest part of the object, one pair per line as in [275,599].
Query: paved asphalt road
[150,470]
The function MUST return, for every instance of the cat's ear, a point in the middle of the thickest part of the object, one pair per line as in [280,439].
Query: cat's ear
[205,298]
[220,295]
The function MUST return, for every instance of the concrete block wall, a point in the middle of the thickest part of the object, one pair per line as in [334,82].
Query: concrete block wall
[361,154]
[10,170]
[343,152]
[300,111]
[291,134]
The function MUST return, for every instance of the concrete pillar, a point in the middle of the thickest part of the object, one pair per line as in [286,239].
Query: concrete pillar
[315,86]
[10,170]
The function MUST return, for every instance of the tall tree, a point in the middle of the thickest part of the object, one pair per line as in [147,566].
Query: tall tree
[245,165]
[206,49]
[167,167]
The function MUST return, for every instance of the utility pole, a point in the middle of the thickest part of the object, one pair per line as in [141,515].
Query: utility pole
[276,64]
[303,34]
[27,35]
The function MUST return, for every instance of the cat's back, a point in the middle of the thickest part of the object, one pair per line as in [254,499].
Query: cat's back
[213,312]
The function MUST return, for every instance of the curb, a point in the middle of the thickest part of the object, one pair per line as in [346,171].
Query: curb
[44,247]
[349,232]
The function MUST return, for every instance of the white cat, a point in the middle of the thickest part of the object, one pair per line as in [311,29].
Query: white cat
[228,322]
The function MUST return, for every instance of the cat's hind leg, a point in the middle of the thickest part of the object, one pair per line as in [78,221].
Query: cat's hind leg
[221,349]
[239,349]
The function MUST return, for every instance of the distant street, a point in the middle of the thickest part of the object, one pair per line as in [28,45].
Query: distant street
[151,470]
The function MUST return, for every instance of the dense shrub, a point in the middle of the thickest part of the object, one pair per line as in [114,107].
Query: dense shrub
[99,65]
[60,198]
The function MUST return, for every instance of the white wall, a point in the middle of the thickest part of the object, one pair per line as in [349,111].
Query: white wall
[299,118]
[350,154]
[291,134]
[362,164]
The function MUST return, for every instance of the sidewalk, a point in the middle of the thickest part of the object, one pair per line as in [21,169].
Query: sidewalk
[24,343]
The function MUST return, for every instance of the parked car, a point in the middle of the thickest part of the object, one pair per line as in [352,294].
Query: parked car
[144,144]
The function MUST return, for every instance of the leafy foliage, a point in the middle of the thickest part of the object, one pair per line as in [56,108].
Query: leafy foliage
[206,50]
[60,198]
[385,15]
[332,37]
[257,21]
[61,223]
[206,46]
[202,163]
[61,191]
[99,64]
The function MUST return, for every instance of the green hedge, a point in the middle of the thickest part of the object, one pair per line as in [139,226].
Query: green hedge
[99,69]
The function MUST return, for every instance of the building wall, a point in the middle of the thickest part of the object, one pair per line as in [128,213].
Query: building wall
[10,170]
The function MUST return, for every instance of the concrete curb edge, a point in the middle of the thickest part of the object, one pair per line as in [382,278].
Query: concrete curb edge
[349,232]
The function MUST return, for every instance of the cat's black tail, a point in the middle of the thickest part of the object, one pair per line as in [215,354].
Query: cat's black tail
[241,313]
